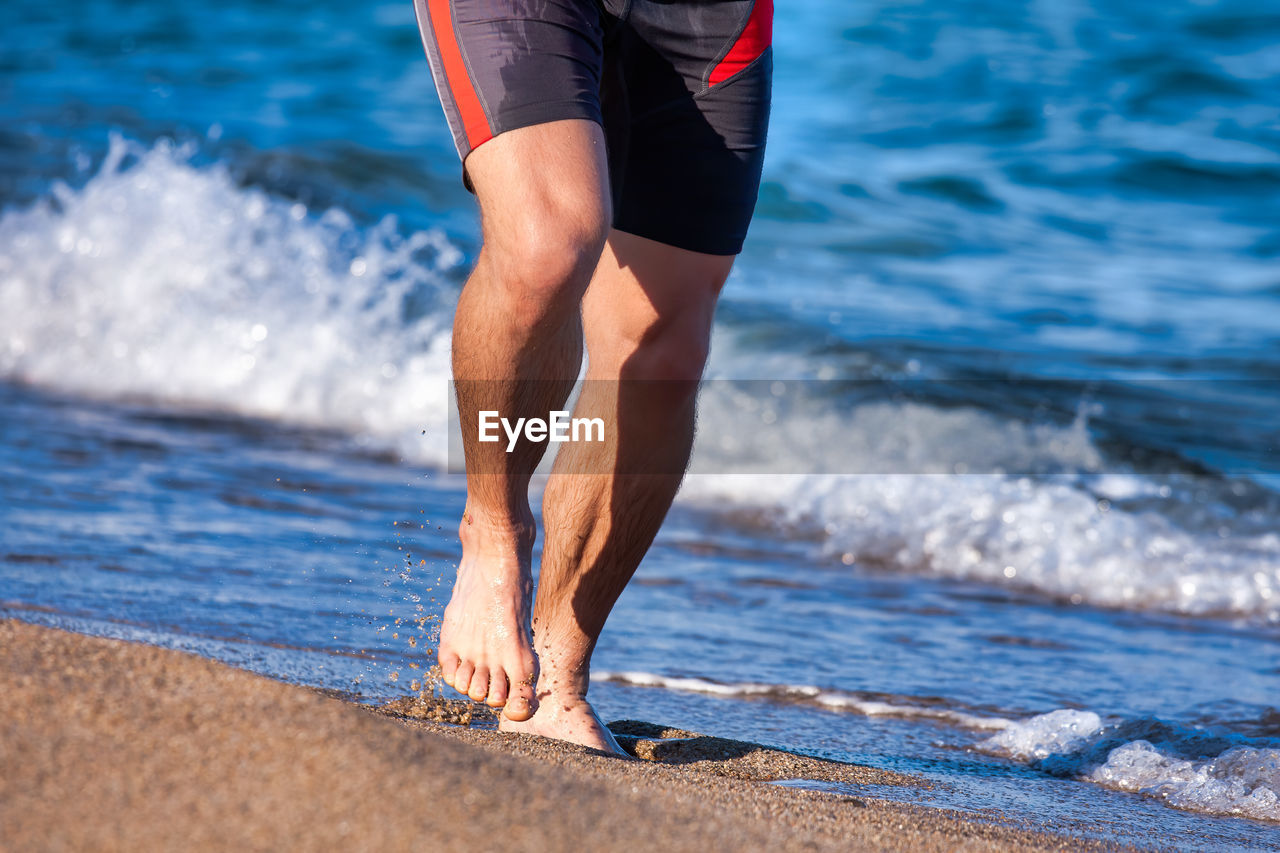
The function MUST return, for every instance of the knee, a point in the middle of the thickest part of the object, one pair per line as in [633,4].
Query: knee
[663,369]
[675,355]
[544,258]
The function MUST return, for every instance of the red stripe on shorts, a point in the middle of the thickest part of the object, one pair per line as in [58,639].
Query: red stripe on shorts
[756,36]
[474,124]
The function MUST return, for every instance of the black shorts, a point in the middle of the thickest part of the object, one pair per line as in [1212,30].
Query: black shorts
[681,88]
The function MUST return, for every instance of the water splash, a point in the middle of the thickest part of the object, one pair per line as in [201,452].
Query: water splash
[1188,769]
[164,280]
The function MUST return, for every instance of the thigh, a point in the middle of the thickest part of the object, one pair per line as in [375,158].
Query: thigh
[649,294]
[500,65]
[686,88]
[541,185]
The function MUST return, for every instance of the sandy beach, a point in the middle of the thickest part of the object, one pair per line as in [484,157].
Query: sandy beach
[110,745]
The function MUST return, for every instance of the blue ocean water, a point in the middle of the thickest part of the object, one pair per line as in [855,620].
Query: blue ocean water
[230,240]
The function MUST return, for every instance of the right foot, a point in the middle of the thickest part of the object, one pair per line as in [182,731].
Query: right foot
[563,710]
[485,649]
[567,717]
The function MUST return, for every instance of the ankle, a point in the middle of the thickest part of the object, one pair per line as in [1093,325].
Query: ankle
[558,683]
[501,530]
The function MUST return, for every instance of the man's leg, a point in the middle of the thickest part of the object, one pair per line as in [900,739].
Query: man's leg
[517,350]
[647,318]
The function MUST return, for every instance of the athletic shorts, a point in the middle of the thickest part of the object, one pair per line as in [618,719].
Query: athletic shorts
[681,88]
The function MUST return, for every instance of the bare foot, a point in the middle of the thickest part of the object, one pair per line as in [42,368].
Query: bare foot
[565,717]
[485,648]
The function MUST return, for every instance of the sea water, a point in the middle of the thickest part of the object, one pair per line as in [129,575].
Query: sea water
[1015,263]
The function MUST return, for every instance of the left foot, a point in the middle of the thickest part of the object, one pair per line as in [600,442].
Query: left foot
[485,649]
[568,717]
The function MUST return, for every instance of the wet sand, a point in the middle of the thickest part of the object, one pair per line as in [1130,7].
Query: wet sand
[108,745]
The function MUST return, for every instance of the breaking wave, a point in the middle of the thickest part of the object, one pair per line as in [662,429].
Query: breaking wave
[164,279]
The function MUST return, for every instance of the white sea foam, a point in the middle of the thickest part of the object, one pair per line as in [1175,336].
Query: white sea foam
[807,695]
[702,685]
[1054,531]
[1243,780]
[875,708]
[1044,735]
[167,280]
[1044,534]
[163,280]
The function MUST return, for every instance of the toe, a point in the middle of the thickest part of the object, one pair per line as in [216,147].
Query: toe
[462,677]
[479,688]
[521,703]
[522,699]
[448,665]
[497,690]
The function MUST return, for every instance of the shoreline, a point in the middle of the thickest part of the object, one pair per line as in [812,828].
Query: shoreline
[115,745]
